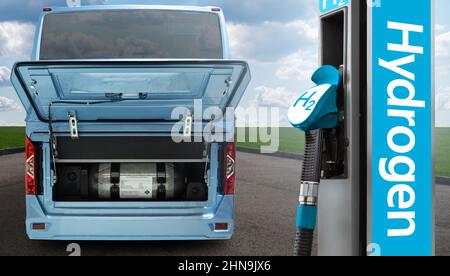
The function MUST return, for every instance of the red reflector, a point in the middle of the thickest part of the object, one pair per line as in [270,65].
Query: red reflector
[221,226]
[30,167]
[38,226]
[230,169]
[47,9]
[216,9]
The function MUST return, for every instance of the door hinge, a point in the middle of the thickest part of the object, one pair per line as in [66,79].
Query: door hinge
[73,125]
[188,120]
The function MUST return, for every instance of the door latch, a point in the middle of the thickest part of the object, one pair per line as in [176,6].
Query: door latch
[73,125]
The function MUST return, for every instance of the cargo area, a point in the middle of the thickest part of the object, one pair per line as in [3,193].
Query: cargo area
[130,169]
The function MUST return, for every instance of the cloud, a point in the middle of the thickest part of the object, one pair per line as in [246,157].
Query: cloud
[29,10]
[238,11]
[443,45]
[5,73]
[247,11]
[268,107]
[251,11]
[442,69]
[270,40]
[21,10]
[273,97]
[16,39]
[299,65]
[443,98]
[7,104]
[439,27]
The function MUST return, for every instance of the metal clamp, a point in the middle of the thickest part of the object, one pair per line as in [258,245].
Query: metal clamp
[187,130]
[73,125]
[309,193]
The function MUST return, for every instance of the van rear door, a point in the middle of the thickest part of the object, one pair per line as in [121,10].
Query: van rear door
[127,89]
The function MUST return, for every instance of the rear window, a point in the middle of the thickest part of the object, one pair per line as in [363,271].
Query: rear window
[131,34]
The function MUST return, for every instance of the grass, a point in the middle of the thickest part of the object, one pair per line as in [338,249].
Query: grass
[443,151]
[290,140]
[12,137]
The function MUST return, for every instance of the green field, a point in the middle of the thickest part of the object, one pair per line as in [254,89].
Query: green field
[12,137]
[443,151]
[290,140]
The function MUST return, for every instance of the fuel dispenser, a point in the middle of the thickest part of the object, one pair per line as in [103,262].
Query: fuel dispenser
[369,126]
[313,112]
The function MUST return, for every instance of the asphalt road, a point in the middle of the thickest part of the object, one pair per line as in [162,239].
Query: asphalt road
[267,195]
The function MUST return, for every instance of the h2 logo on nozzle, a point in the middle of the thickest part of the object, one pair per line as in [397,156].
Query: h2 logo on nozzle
[299,113]
[308,102]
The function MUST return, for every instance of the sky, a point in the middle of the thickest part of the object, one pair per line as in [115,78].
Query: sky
[278,38]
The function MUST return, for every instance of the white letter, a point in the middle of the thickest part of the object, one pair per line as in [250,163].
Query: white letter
[408,101]
[213,114]
[198,127]
[397,131]
[177,114]
[409,216]
[393,176]
[249,118]
[230,124]
[405,47]
[401,190]
[407,114]
[264,136]
[394,66]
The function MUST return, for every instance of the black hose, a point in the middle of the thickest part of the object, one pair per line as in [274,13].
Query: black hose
[311,172]
[303,242]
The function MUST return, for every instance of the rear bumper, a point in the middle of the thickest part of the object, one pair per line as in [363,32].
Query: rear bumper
[148,227]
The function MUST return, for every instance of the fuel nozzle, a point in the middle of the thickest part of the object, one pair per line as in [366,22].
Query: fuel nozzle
[317,107]
[312,112]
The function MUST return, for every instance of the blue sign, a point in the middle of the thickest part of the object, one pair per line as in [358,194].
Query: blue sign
[402,109]
[330,5]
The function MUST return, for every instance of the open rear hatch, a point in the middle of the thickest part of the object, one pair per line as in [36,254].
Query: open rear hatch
[127,90]
[113,167]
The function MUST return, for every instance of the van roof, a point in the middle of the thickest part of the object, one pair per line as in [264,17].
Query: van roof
[133,7]
[206,9]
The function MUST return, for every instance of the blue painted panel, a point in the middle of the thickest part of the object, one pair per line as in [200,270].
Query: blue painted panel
[330,5]
[402,127]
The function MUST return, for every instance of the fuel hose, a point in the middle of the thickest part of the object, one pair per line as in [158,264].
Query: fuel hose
[309,191]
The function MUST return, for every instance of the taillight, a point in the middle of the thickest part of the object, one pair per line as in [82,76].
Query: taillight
[221,226]
[38,226]
[30,167]
[230,169]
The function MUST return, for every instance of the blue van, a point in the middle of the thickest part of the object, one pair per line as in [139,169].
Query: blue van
[121,143]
